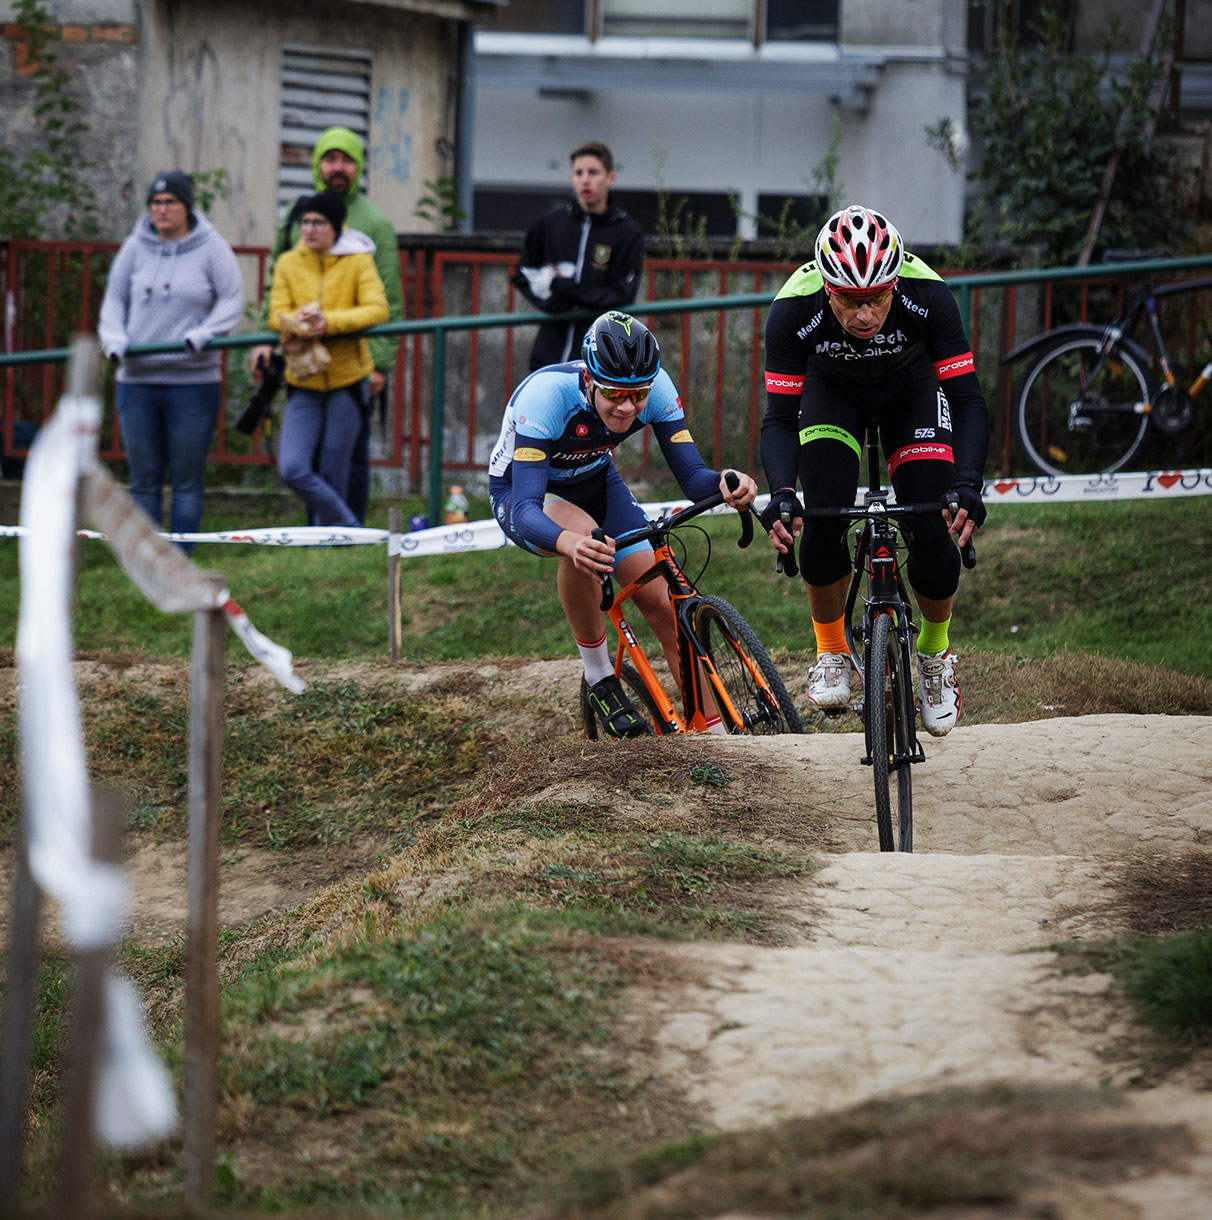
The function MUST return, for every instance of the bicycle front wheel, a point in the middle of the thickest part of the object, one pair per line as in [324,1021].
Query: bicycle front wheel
[1076,413]
[888,707]
[746,672]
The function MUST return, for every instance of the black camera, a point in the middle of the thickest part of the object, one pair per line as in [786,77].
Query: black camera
[261,398]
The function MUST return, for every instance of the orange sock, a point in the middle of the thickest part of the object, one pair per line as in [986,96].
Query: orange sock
[830,637]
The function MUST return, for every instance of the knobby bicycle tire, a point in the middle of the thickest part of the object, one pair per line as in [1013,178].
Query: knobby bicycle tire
[640,698]
[745,670]
[1110,433]
[888,707]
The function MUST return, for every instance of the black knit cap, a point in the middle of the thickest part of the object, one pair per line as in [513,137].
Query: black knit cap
[330,206]
[173,182]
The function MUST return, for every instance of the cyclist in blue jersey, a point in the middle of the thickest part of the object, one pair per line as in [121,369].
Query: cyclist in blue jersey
[552,481]
[867,329]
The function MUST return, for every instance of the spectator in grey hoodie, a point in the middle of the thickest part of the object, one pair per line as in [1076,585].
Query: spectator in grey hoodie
[174,280]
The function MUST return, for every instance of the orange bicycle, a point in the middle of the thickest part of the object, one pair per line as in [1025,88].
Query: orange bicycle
[722,662]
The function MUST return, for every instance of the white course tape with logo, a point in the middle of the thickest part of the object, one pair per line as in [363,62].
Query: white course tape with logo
[487,535]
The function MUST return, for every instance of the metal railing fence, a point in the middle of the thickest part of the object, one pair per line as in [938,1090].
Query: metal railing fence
[455,370]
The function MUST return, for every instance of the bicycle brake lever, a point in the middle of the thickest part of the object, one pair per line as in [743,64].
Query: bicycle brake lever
[967,551]
[786,563]
[607,584]
[746,528]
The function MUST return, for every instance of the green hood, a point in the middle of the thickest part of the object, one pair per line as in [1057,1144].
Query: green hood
[344,140]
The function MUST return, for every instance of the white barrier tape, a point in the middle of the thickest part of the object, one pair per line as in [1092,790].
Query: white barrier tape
[134,1098]
[1070,488]
[274,657]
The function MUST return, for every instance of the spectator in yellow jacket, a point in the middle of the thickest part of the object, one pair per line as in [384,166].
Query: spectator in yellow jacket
[326,286]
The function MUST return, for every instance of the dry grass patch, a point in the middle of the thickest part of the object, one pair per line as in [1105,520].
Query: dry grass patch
[994,1153]
[1005,689]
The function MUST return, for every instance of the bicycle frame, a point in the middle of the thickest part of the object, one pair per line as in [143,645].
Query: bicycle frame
[683,596]
[698,670]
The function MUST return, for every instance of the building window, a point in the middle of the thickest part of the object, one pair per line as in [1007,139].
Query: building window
[671,19]
[786,20]
[802,20]
[322,87]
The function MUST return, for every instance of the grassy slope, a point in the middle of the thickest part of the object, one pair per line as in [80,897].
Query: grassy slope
[1123,580]
[433,1040]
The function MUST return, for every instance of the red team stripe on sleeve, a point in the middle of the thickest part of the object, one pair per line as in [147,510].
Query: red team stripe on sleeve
[785,383]
[954,366]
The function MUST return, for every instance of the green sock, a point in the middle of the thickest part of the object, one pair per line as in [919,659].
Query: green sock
[934,637]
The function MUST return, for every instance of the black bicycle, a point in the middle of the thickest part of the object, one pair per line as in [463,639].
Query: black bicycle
[1087,401]
[881,643]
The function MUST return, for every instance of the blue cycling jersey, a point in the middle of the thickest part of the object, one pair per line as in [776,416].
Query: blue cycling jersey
[551,438]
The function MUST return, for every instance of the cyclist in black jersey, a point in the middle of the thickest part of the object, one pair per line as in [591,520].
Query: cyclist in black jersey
[867,329]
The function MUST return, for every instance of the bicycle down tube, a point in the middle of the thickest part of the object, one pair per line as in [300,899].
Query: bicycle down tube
[752,698]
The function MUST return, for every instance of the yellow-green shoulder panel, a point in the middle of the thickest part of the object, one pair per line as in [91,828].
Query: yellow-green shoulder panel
[802,283]
[915,269]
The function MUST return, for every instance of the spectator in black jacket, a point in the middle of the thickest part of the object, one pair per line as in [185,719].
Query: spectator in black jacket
[585,254]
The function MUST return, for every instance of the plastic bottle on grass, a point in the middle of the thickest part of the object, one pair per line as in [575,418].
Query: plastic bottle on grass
[456,506]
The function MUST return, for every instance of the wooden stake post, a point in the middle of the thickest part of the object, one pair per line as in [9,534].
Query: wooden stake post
[202,933]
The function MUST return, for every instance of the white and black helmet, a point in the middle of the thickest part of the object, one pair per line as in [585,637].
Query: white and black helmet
[858,250]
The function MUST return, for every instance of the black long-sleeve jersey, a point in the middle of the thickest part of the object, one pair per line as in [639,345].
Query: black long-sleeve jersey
[802,332]
[598,260]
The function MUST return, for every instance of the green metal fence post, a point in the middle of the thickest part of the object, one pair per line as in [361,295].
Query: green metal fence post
[437,425]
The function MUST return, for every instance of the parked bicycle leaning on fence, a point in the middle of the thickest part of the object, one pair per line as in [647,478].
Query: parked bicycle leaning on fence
[1087,400]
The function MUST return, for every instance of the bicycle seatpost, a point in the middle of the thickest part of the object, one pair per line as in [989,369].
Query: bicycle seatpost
[607,584]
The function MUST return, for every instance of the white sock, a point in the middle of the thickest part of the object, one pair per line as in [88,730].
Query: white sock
[596,658]
[715,724]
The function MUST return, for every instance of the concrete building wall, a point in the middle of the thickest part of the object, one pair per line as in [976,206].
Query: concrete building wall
[209,97]
[180,84]
[762,142]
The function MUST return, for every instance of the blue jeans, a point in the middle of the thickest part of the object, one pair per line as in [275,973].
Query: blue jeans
[315,450]
[168,428]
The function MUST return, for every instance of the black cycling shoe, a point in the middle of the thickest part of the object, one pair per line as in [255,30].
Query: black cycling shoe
[614,709]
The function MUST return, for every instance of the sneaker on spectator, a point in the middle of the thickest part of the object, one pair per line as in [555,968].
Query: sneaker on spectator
[939,691]
[829,681]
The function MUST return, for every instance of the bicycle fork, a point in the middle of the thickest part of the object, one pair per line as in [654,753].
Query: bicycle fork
[876,553]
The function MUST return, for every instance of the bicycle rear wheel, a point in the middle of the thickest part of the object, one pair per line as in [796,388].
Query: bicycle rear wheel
[746,672]
[1077,414]
[637,692]
[888,708]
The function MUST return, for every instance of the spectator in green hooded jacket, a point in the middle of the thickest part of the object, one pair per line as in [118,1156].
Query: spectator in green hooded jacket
[337,161]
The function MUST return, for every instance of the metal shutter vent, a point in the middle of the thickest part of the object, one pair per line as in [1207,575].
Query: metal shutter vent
[322,87]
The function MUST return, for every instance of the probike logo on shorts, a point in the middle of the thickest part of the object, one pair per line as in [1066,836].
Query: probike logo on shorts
[953,366]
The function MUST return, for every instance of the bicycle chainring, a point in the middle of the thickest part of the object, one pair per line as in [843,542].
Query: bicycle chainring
[1172,410]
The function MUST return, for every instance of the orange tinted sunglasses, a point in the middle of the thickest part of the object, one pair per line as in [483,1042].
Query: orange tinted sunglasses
[849,302]
[617,394]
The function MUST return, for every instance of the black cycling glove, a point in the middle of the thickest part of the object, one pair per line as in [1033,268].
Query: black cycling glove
[780,502]
[968,498]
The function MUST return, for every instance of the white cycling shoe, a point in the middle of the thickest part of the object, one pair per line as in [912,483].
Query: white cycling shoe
[829,681]
[939,691]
